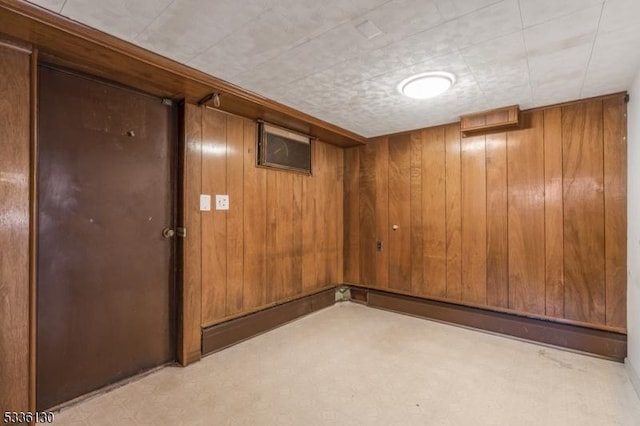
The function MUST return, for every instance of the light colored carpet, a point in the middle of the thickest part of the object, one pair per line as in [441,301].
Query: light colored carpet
[353,365]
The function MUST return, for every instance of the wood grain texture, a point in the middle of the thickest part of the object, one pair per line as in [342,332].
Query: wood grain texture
[273,262]
[296,236]
[214,222]
[255,224]
[584,265]
[399,246]
[189,336]
[73,45]
[338,253]
[474,220]
[553,206]
[367,210]
[615,207]
[282,237]
[322,237]
[382,211]
[417,230]
[453,187]
[33,230]
[235,217]
[492,120]
[497,221]
[526,216]
[498,211]
[14,229]
[310,227]
[282,275]
[352,215]
[434,233]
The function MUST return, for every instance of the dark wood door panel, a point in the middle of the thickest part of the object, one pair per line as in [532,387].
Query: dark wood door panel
[105,286]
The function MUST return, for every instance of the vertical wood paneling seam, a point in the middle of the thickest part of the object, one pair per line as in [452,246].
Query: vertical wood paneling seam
[486,225]
[244,245]
[33,225]
[387,257]
[564,258]
[506,185]
[562,208]
[202,114]
[411,248]
[544,208]
[461,212]
[604,210]
[486,228]
[226,213]
[446,216]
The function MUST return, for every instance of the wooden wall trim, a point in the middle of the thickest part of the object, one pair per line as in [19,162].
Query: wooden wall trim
[16,45]
[15,227]
[540,108]
[68,43]
[497,309]
[217,321]
[190,293]
[607,344]
[235,331]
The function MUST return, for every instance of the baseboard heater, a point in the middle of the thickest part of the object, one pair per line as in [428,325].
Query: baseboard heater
[229,333]
[607,344]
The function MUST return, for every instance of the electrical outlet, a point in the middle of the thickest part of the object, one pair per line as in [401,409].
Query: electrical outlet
[222,202]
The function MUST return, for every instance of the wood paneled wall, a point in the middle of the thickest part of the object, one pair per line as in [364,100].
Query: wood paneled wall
[530,221]
[14,228]
[282,235]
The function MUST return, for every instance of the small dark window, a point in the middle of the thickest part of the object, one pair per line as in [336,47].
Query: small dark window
[283,149]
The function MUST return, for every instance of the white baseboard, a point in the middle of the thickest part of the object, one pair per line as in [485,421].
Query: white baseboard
[633,375]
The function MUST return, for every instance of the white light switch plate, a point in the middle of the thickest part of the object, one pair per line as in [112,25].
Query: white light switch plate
[222,202]
[205,203]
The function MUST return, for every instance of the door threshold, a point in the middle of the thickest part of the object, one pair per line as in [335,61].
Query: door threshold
[108,388]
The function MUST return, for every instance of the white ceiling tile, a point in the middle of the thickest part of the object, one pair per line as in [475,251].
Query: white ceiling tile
[577,29]
[559,50]
[122,18]
[188,27]
[53,5]
[618,14]
[612,68]
[419,47]
[556,92]
[454,8]
[309,55]
[499,64]
[268,36]
[539,11]
[486,24]
[559,66]
[323,14]
[400,18]
[518,95]
[308,58]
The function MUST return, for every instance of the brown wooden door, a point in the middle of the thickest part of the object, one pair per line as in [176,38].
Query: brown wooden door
[106,283]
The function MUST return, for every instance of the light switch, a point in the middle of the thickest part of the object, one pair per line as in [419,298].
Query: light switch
[205,202]
[222,202]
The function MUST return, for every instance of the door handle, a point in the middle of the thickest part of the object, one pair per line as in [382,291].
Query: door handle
[168,232]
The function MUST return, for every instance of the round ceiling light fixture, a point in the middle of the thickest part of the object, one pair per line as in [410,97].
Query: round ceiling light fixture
[426,85]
